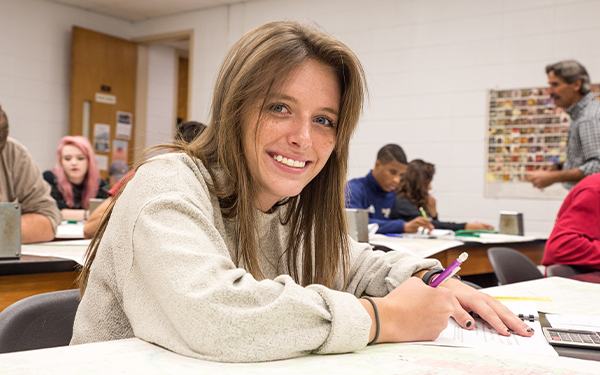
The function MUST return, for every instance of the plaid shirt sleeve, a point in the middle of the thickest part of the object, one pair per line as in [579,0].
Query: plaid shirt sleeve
[589,135]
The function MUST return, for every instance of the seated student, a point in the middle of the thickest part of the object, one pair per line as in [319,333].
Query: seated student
[235,247]
[376,192]
[184,132]
[75,178]
[413,194]
[21,182]
[575,239]
[117,170]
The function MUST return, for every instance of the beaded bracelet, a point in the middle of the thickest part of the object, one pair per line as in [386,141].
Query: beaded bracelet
[376,319]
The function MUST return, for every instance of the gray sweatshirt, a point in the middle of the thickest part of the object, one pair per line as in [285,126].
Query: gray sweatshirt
[164,273]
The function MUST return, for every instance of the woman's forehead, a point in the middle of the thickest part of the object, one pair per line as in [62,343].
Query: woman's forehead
[70,148]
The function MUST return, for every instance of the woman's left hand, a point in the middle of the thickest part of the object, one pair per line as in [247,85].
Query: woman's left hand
[467,299]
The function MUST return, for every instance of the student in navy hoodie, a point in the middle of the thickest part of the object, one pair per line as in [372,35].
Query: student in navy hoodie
[376,192]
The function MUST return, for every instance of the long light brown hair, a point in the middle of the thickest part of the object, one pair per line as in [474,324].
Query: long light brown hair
[256,66]
[414,184]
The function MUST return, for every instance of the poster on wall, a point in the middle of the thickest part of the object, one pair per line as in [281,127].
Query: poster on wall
[119,150]
[526,133]
[102,162]
[101,137]
[124,123]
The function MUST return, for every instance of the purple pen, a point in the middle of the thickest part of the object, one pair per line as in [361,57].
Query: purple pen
[451,270]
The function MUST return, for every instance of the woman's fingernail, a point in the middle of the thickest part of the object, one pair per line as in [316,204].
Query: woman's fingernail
[530,330]
[469,323]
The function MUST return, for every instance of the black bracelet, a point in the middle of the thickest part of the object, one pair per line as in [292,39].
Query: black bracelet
[434,271]
[376,319]
[427,278]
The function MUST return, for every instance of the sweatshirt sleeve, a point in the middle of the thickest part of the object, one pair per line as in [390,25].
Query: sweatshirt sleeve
[31,189]
[184,292]
[376,273]
[575,239]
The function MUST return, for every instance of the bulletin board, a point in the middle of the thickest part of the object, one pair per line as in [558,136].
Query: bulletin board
[526,133]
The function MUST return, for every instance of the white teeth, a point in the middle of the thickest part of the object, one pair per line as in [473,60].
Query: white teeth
[289,162]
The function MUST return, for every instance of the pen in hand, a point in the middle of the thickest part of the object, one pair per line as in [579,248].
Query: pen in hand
[450,271]
[423,212]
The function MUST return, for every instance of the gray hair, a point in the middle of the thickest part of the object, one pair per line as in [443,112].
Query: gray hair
[570,71]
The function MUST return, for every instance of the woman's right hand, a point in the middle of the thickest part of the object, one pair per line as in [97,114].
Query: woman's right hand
[413,312]
[413,225]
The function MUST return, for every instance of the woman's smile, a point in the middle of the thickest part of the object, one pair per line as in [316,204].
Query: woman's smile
[288,143]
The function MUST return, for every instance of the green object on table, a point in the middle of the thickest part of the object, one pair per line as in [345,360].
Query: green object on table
[472,232]
[466,234]
[71,221]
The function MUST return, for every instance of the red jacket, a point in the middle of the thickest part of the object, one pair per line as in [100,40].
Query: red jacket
[575,239]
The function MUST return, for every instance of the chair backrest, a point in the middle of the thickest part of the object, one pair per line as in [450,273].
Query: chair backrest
[40,321]
[510,266]
[562,270]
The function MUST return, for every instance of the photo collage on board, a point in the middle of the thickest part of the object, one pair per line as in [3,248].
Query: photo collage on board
[526,133]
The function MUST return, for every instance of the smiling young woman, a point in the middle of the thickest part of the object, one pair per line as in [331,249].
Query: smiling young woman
[235,246]
[75,179]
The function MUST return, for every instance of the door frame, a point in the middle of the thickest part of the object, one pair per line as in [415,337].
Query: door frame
[142,82]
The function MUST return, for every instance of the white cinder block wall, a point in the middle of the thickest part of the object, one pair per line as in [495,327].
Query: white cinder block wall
[160,116]
[429,65]
[35,56]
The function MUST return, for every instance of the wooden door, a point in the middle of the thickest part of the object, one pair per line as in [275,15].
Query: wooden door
[103,75]
[182,89]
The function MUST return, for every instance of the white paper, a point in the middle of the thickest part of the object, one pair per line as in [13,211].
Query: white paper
[442,233]
[102,137]
[123,131]
[572,321]
[124,123]
[419,247]
[499,238]
[106,98]
[561,291]
[102,162]
[74,250]
[70,230]
[485,337]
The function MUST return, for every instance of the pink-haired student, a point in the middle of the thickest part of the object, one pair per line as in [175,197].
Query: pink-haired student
[75,179]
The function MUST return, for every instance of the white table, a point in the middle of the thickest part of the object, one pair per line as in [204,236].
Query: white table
[137,356]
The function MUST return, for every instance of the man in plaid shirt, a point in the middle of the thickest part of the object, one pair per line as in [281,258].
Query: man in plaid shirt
[570,89]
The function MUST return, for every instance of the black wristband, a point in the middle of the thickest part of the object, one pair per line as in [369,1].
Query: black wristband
[427,278]
[376,319]
[434,271]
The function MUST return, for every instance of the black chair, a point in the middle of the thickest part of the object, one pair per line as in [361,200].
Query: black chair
[561,270]
[565,270]
[40,321]
[510,266]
